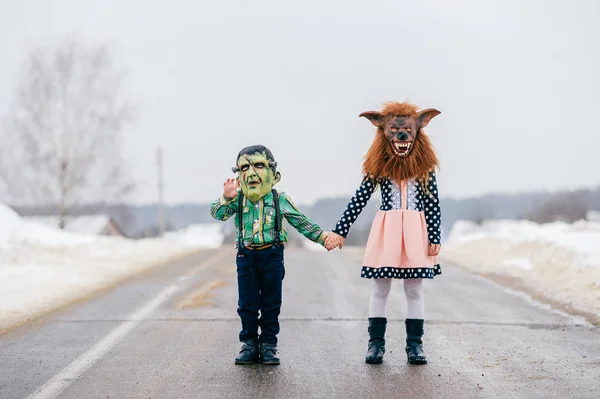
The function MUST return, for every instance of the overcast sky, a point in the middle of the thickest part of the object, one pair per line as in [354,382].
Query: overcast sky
[517,83]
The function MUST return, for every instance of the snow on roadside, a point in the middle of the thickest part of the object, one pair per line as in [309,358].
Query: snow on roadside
[43,269]
[559,261]
[37,279]
[16,231]
[208,235]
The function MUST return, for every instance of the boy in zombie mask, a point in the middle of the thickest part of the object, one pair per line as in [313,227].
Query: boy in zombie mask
[259,210]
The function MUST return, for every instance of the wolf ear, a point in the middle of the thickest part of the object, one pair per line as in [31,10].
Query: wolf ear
[423,117]
[375,117]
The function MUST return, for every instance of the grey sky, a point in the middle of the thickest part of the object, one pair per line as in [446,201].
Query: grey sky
[517,83]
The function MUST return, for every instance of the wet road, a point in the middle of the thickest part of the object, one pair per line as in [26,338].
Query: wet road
[173,334]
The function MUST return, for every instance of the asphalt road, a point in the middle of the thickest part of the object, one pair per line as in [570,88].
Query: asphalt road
[173,334]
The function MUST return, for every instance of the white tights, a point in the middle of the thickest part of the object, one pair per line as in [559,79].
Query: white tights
[413,290]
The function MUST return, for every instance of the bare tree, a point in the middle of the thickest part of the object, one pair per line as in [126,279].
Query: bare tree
[61,140]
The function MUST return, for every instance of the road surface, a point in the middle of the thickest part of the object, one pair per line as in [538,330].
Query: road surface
[172,333]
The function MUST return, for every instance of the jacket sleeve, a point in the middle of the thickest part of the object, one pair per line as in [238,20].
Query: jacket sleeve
[223,208]
[431,206]
[302,223]
[355,207]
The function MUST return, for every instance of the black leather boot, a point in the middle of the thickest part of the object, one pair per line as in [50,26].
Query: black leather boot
[249,353]
[269,354]
[414,344]
[376,340]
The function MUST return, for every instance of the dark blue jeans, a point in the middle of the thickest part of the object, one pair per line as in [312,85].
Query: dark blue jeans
[260,275]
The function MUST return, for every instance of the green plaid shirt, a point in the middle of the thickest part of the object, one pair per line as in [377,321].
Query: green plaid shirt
[259,219]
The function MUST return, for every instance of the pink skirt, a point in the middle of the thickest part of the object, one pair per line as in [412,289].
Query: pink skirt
[398,247]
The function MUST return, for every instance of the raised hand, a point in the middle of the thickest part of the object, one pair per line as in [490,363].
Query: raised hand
[434,249]
[334,240]
[230,188]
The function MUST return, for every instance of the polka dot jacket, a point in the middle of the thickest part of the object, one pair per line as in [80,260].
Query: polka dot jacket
[391,198]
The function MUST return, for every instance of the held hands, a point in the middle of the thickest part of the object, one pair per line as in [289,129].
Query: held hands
[434,249]
[230,188]
[333,240]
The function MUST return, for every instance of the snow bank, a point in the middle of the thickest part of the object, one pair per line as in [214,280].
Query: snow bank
[557,261]
[14,230]
[43,269]
[85,224]
[200,235]
[9,223]
[313,246]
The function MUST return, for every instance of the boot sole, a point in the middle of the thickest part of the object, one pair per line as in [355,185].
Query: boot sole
[417,362]
[271,363]
[373,361]
[246,362]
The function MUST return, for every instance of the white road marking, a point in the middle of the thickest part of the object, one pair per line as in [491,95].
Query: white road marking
[57,384]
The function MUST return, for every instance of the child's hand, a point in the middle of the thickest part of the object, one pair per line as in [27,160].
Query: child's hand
[434,249]
[334,240]
[230,188]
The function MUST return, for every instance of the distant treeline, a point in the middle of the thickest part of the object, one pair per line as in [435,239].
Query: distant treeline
[541,207]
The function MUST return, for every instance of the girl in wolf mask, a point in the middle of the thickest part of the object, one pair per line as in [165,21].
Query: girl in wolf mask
[405,235]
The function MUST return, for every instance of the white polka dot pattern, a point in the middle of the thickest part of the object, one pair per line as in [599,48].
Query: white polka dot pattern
[401,273]
[431,208]
[418,200]
[355,207]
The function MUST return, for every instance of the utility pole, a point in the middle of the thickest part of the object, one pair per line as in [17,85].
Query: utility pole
[161,205]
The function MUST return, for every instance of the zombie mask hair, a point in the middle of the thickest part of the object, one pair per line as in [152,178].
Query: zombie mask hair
[401,149]
[257,171]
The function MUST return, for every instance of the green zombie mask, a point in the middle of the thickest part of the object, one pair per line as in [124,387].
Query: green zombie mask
[257,174]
